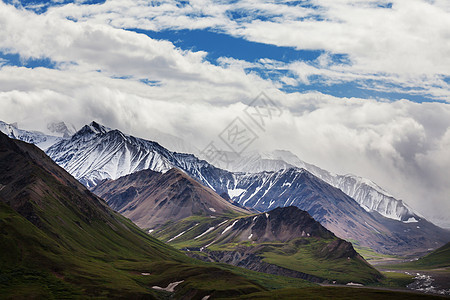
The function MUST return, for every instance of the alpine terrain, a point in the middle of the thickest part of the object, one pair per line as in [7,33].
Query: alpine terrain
[151,199]
[284,241]
[367,193]
[40,139]
[96,153]
[58,240]
[181,211]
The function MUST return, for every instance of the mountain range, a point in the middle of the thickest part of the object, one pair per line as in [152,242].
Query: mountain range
[177,209]
[367,193]
[60,241]
[96,153]
[37,138]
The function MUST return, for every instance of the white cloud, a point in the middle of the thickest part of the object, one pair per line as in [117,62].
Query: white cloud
[406,44]
[401,145]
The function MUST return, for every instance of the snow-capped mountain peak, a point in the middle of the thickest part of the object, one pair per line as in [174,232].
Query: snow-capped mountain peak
[40,139]
[61,129]
[368,194]
[97,152]
[94,128]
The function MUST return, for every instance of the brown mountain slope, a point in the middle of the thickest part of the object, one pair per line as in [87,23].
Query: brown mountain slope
[151,199]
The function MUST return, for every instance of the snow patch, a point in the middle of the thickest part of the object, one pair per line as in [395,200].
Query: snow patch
[202,248]
[181,233]
[411,220]
[209,229]
[235,193]
[222,223]
[354,284]
[250,236]
[150,230]
[169,288]
[229,227]
[177,236]
[271,203]
[212,209]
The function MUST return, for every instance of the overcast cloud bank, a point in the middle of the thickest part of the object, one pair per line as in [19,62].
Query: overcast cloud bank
[100,70]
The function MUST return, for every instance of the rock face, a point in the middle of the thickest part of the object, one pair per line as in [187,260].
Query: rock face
[151,199]
[281,224]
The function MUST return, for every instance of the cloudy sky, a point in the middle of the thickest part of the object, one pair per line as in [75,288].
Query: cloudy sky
[362,87]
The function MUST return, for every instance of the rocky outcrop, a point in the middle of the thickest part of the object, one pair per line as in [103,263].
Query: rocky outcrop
[252,261]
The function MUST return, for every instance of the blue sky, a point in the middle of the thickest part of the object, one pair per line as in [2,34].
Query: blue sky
[219,42]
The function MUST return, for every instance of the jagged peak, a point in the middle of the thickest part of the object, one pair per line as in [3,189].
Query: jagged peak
[61,128]
[93,128]
[98,128]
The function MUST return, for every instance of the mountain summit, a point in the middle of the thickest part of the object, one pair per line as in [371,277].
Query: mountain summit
[96,153]
[151,199]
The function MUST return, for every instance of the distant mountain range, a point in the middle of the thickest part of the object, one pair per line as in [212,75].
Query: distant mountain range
[96,153]
[37,138]
[367,193]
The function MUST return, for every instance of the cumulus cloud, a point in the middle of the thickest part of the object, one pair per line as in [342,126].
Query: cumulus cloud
[129,81]
[398,42]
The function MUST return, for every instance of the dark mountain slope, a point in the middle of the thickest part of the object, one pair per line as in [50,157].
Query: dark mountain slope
[59,240]
[151,199]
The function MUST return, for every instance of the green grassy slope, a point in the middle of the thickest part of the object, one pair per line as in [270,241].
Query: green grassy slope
[310,255]
[326,293]
[306,259]
[437,259]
